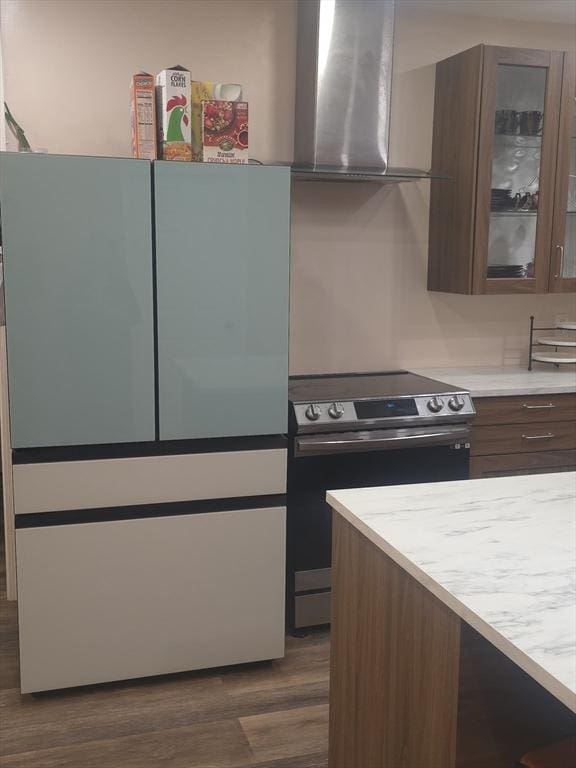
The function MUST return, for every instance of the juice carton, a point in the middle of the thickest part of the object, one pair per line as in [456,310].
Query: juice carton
[173,95]
[224,131]
[202,90]
[143,116]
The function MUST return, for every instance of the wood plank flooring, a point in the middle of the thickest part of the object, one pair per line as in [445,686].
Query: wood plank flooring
[265,715]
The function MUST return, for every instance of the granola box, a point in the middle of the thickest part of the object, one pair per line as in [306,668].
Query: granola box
[203,90]
[224,131]
[173,97]
[143,116]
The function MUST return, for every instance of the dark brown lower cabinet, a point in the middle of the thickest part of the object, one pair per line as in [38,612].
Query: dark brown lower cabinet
[522,464]
[523,435]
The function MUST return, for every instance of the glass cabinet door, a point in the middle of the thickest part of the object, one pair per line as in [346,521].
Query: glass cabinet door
[563,253]
[77,239]
[223,244]
[517,162]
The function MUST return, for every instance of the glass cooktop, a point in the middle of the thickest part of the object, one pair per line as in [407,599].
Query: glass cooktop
[357,386]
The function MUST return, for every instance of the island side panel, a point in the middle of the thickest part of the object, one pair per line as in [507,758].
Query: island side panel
[394,663]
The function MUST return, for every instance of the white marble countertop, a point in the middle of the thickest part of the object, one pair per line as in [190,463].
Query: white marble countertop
[500,552]
[505,380]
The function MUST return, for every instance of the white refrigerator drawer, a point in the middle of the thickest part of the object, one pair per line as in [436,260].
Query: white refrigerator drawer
[61,485]
[131,598]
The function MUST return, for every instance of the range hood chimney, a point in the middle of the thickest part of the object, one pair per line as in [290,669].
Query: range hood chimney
[343,87]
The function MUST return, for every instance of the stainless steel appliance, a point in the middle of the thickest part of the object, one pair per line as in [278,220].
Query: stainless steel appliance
[361,430]
[343,92]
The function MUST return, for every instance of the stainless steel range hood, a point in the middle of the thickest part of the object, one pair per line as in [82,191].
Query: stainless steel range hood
[343,88]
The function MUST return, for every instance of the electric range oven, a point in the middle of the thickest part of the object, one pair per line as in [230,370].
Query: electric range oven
[355,431]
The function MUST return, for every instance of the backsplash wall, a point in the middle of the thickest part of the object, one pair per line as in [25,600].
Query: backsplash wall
[359,251]
[359,298]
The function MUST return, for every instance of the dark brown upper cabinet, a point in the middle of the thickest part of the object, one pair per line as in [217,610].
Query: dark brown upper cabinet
[563,255]
[504,218]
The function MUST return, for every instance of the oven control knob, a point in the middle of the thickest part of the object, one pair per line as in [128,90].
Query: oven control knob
[336,411]
[456,403]
[313,412]
[435,404]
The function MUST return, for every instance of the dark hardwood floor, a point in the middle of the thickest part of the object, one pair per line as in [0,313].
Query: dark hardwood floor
[266,715]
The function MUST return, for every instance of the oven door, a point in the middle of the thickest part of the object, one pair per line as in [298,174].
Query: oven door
[319,463]
[363,441]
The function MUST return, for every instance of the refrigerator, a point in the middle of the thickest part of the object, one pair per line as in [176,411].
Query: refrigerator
[147,334]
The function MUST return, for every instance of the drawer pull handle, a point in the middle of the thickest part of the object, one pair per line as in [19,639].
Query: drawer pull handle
[547,436]
[538,407]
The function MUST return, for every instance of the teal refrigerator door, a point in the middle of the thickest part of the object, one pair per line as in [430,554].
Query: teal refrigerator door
[222,235]
[79,310]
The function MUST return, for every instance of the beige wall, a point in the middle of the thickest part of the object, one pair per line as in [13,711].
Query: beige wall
[358,297]
[68,64]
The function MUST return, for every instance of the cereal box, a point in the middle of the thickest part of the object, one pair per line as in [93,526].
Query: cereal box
[173,96]
[203,90]
[143,116]
[224,131]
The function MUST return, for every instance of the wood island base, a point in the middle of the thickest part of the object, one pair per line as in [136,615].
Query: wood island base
[412,685]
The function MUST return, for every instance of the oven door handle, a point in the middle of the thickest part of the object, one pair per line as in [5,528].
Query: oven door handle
[381,440]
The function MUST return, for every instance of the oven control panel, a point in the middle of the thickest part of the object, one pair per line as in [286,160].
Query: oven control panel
[409,410]
[325,413]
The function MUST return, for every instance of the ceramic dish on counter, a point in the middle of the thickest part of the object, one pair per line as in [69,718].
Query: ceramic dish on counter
[558,358]
[564,343]
[552,341]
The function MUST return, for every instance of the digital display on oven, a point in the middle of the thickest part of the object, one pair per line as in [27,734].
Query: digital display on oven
[383,409]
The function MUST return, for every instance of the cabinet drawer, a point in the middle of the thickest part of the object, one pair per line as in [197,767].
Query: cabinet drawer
[133,598]
[524,409]
[521,438]
[541,462]
[61,485]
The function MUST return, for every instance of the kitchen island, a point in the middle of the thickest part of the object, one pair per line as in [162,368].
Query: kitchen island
[429,580]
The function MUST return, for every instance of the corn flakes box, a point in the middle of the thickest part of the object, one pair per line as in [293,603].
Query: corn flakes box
[173,103]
